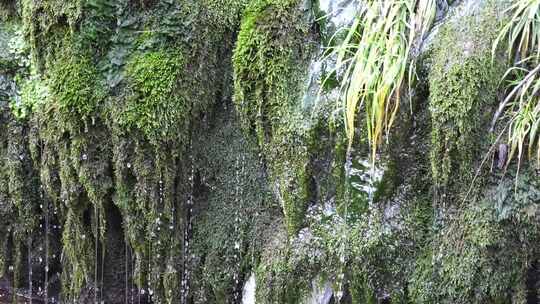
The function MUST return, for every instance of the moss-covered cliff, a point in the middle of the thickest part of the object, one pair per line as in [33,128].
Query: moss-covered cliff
[168,151]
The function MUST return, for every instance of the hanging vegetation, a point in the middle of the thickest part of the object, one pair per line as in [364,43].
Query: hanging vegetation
[373,61]
[522,104]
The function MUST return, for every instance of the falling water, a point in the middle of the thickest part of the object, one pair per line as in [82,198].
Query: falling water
[126,272]
[248,292]
[237,244]
[46,281]
[187,231]
[338,14]
[321,293]
[30,269]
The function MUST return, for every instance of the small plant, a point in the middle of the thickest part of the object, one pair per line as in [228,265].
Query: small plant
[522,34]
[376,60]
[33,92]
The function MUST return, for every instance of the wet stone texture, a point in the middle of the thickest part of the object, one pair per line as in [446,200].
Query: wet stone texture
[183,151]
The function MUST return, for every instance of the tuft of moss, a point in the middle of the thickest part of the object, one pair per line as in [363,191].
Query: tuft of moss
[75,87]
[156,107]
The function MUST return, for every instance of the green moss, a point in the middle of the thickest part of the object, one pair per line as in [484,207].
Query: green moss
[270,61]
[46,26]
[156,107]
[80,256]
[225,12]
[34,93]
[476,258]
[284,273]
[75,87]
[463,84]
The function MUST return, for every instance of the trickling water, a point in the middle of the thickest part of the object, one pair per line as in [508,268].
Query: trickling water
[339,12]
[46,281]
[238,200]
[30,295]
[320,293]
[361,176]
[365,176]
[187,231]
[248,292]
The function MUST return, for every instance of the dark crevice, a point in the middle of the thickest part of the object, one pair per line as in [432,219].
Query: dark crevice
[533,283]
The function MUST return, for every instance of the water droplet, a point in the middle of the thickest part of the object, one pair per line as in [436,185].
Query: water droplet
[142,291]
[128,165]
[10,268]
[84,157]
[83,236]
[171,227]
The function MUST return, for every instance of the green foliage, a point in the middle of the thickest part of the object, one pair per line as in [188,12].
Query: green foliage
[226,12]
[522,34]
[80,256]
[34,93]
[375,57]
[46,25]
[75,87]
[156,107]
[476,258]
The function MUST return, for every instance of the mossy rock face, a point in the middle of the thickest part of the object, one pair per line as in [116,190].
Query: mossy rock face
[463,88]
[270,64]
[176,147]
[476,257]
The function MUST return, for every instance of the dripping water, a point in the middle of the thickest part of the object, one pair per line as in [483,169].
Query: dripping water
[126,269]
[187,230]
[30,268]
[237,244]
[46,281]
[96,240]
[248,292]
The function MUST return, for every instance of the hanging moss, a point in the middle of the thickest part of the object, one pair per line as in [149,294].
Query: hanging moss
[269,66]
[46,25]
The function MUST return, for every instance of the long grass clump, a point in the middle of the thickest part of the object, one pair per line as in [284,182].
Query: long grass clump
[375,63]
[522,104]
